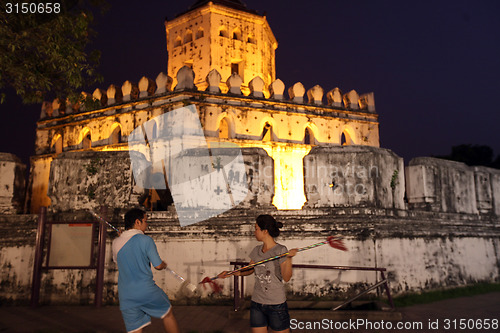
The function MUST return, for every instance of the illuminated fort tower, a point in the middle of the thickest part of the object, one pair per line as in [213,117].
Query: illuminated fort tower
[221,59]
[222,35]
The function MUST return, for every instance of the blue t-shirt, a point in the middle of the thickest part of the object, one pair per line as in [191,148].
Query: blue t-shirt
[135,280]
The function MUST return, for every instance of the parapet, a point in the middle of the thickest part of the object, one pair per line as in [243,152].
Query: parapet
[440,185]
[162,85]
[12,184]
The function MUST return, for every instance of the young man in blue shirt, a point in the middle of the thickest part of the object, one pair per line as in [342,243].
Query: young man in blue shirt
[140,297]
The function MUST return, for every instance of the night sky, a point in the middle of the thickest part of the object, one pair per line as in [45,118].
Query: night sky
[434,66]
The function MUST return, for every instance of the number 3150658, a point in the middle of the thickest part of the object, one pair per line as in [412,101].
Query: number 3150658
[33,8]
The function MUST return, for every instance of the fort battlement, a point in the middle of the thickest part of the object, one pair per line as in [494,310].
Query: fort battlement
[163,85]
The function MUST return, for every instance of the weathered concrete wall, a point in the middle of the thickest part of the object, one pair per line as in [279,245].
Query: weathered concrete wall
[495,190]
[449,242]
[445,250]
[448,186]
[487,181]
[441,185]
[354,176]
[87,180]
[17,241]
[17,264]
[12,184]
[259,173]
[39,181]
[438,262]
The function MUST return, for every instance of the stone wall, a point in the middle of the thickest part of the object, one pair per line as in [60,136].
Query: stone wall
[446,250]
[354,176]
[39,183]
[448,226]
[448,186]
[12,184]
[348,176]
[87,180]
[17,251]
[487,181]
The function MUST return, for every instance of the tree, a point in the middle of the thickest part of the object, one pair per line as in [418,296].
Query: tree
[43,55]
[496,163]
[473,155]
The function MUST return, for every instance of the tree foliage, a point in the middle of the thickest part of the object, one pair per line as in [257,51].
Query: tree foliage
[44,56]
[473,155]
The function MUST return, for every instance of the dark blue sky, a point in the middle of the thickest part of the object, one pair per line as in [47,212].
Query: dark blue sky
[434,66]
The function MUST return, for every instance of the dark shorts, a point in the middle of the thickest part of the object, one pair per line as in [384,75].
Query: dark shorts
[274,316]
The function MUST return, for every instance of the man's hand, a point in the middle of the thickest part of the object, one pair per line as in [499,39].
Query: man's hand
[161,266]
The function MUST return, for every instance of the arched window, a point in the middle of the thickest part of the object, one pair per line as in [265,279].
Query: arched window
[345,139]
[223,32]
[116,136]
[200,33]
[87,140]
[235,68]
[236,34]
[267,132]
[178,41]
[251,39]
[188,37]
[224,129]
[57,145]
[309,137]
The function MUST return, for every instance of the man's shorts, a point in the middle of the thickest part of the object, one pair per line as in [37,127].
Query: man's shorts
[140,316]
[274,316]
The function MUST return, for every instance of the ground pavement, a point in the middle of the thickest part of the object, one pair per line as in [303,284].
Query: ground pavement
[442,316]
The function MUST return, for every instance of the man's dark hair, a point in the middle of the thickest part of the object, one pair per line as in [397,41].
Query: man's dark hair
[132,215]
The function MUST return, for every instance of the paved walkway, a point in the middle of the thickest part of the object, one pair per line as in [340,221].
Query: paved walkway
[211,319]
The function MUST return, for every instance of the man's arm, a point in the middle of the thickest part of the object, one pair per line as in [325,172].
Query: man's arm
[161,266]
[153,256]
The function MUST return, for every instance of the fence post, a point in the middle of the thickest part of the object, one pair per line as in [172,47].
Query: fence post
[236,302]
[37,265]
[101,258]
[387,290]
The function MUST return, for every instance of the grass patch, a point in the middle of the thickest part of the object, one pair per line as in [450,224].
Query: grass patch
[438,295]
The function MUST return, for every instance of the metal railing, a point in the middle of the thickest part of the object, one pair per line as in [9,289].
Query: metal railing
[239,286]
